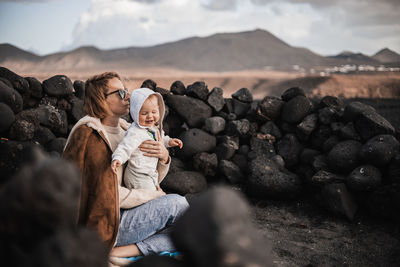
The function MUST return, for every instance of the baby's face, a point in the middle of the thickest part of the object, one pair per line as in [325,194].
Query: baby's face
[149,114]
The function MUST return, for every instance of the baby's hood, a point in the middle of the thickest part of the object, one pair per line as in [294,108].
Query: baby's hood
[138,96]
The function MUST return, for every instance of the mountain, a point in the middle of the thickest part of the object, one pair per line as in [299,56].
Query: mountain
[256,49]
[386,55]
[355,58]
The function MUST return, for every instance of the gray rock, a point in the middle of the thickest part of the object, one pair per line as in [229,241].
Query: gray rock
[321,178]
[22,130]
[10,97]
[364,178]
[380,150]
[213,233]
[289,148]
[371,124]
[18,82]
[214,125]
[296,109]
[77,109]
[231,171]
[7,117]
[64,104]
[243,95]
[238,128]
[58,86]
[354,109]
[268,180]
[206,163]
[196,141]
[216,99]
[292,92]
[79,87]
[262,146]
[35,87]
[176,165]
[193,111]
[343,157]
[54,119]
[338,199]
[240,108]
[270,128]
[307,126]
[184,182]
[198,90]
[178,88]
[269,108]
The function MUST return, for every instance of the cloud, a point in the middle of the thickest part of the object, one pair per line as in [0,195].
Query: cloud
[219,5]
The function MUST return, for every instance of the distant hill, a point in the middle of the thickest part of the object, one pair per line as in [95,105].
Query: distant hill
[386,55]
[256,49]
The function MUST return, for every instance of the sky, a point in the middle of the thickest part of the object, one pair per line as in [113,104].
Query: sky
[326,27]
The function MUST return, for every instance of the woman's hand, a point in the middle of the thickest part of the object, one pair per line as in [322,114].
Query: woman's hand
[156,149]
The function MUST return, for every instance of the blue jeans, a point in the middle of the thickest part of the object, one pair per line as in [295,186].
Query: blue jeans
[147,225]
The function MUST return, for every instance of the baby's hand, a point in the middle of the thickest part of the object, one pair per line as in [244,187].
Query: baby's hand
[114,165]
[175,142]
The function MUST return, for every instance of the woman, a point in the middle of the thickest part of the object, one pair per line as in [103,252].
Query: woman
[144,213]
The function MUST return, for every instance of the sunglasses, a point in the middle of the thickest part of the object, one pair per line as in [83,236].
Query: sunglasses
[122,93]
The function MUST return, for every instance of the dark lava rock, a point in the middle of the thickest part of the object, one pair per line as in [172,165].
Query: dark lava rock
[7,117]
[18,82]
[289,148]
[10,97]
[198,90]
[212,233]
[43,135]
[206,163]
[214,125]
[238,128]
[48,100]
[269,108]
[331,101]
[270,128]
[262,146]
[228,105]
[63,104]
[268,180]
[296,109]
[216,99]
[330,143]
[379,150]
[338,199]
[307,155]
[364,178]
[196,141]
[385,202]
[393,170]
[319,136]
[226,149]
[57,145]
[6,82]
[22,130]
[343,157]
[176,165]
[194,111]
[172,124]
[349,132]
[241,161]
[231,171]
[54,119]
[79,87]
[243,95]
[354,109]
[291,93]
[320,163]
[244,150]
[184,182]
[35,87]
[58,86]
[371,124]
[321,178]
[163,92]
[307,126]
[152,85]
[240,108]
[336,126]
[77,109]
[327,115]
[178,88]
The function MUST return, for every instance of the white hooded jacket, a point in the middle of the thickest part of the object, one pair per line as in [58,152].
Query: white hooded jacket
[141,171]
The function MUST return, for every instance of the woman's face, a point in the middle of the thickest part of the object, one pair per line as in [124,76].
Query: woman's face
[117,106]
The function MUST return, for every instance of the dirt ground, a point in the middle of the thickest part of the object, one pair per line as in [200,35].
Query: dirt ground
[303,234]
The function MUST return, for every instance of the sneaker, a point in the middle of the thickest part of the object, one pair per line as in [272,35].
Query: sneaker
[175,254]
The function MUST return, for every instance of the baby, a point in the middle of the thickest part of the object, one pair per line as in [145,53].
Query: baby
[147,111]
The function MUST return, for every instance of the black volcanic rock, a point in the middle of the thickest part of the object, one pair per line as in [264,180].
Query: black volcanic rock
[331,101]
[321,178]
[7,117]
[79,87]
[54,119]
[152,85]
[238,128]
[292,92]
[194,111]
[384,202]
[327,115]
[344,156]
[184,182]
[22,130]
[296,109]
[216,99]
[10,97]
[319,136]
[270,128]
[393,170]
[307,126]
[206,163]
[198,90]
[77,109]
[58,86]
[339,200]
[178,88]
[18,82]
[214,125]
[262,146]
[330,143]
[354,109]
[379,150]
[227,148]
[269,108]
[57,145]
[348,131]
[289,148]
[369,124]
[231,171]
[43,135]
[243,95]
[364,178]
[240,108]
[35,87]
[196,141]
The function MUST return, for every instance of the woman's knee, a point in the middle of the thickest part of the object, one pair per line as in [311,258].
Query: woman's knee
[179,202]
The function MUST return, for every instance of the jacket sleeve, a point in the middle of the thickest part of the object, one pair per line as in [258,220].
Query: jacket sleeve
[128,144]
[165,139]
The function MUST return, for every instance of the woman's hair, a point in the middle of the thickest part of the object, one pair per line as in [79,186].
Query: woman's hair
[95,90]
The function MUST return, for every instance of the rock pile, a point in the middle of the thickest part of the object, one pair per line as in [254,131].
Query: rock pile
[346,155]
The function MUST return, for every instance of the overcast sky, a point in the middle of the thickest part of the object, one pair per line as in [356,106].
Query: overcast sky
[326,27]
